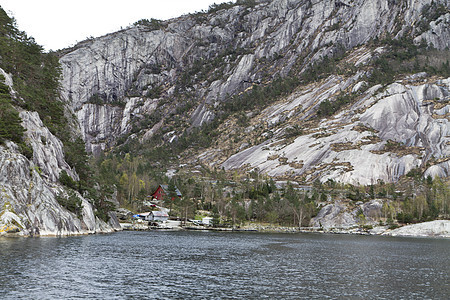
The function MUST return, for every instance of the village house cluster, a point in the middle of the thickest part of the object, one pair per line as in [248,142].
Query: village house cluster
[159,214]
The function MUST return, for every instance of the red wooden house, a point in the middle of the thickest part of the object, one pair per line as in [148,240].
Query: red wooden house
[162,191]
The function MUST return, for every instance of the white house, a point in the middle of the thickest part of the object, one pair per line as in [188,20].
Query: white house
[158,216]
[207,221]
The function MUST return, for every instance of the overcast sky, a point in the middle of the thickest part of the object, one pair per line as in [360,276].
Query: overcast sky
[57,24]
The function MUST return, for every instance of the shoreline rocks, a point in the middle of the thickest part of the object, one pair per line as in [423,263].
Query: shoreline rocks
[432,229]
[437,228]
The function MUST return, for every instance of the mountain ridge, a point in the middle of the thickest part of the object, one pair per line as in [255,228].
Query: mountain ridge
[189,68]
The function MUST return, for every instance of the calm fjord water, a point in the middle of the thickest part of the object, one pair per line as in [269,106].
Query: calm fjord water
[208,265]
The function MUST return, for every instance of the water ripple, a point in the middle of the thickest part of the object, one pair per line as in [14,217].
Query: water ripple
[206,265]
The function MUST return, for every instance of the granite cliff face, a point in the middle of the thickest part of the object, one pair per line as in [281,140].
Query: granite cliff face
[29,187]
[110,81]
[28,201]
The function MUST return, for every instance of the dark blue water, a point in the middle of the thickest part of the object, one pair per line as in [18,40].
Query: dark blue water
[207,265]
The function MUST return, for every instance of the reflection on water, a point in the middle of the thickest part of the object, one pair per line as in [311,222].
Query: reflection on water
[168,265]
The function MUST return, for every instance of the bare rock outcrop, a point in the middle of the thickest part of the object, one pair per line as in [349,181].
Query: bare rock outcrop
[382,136]
[437,228]
[339,215]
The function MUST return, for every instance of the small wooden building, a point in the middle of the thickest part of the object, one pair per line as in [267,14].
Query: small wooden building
[162,191]
[154,216]
[207,221]
[158,216]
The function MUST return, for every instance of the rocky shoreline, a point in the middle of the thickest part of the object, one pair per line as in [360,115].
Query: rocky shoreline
[437,228]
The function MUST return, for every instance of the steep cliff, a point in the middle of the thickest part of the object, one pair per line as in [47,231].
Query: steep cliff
[162,78]
[30,191]
[28,201]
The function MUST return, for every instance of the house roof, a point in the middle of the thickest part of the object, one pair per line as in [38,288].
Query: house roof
[143,214]
[159,214]
[165,187]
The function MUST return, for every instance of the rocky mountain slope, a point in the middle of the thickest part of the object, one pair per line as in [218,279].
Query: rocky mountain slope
[383,136]
[160,79]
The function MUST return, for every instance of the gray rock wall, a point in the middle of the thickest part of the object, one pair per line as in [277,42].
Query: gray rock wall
[28,202]
[274,35]
[340,215]
[29,188]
